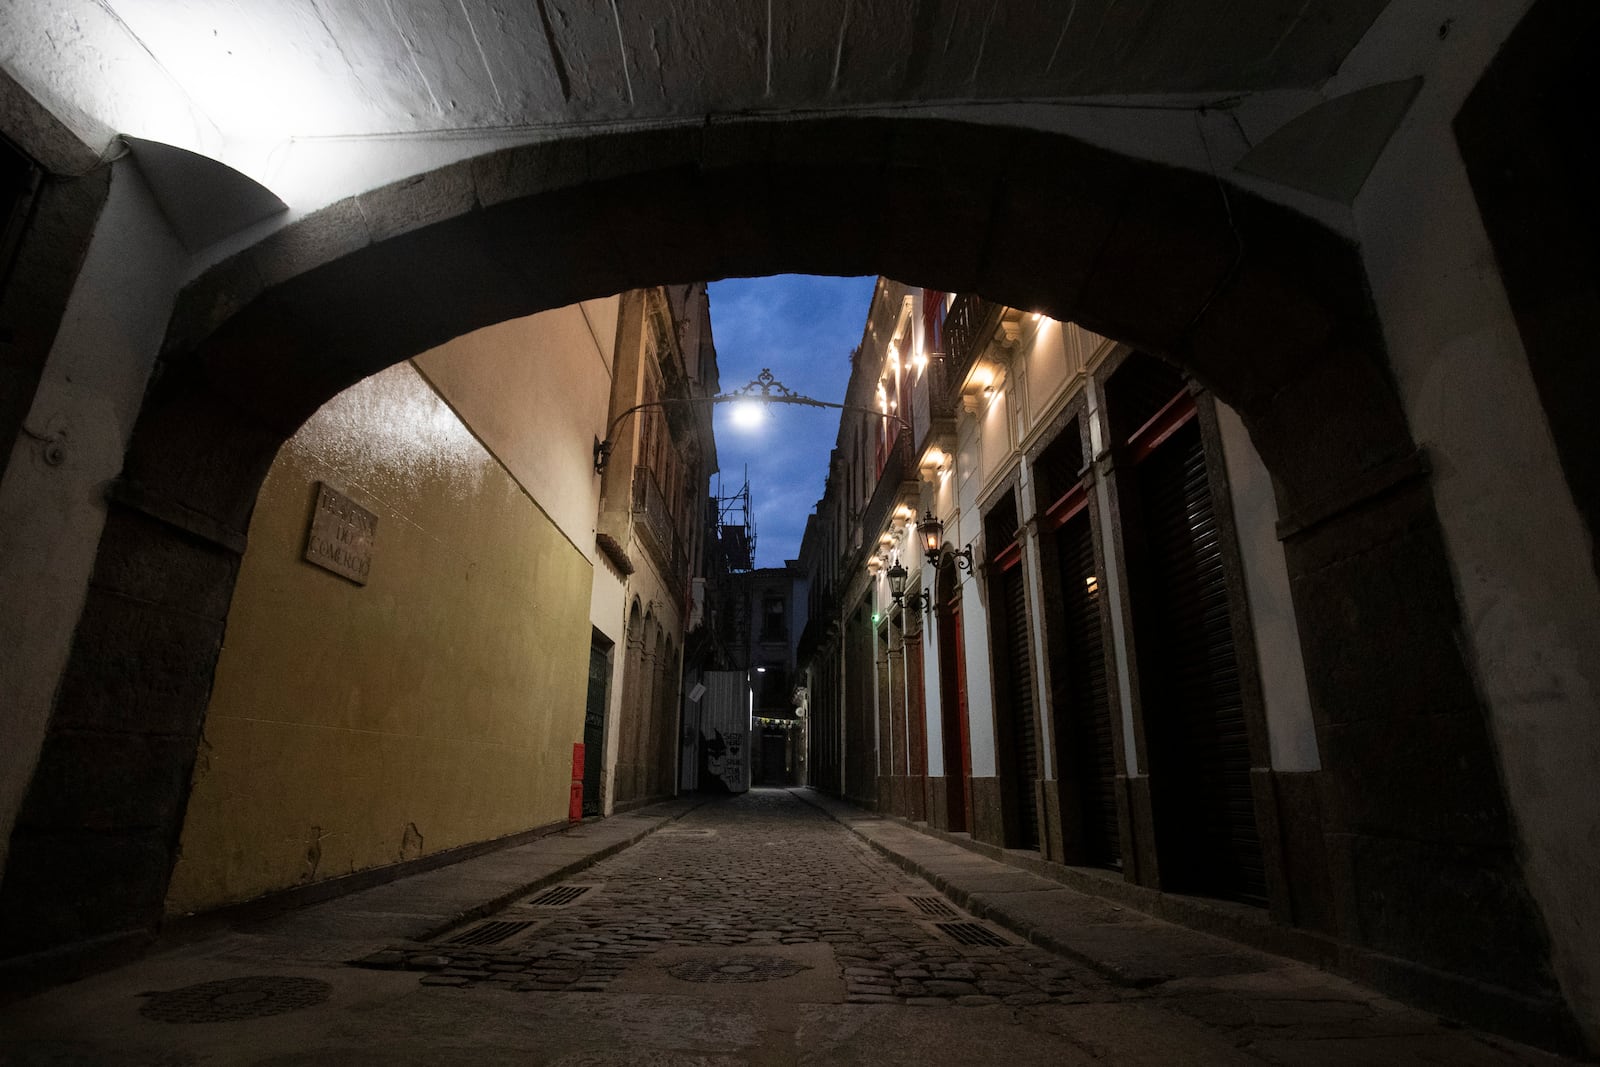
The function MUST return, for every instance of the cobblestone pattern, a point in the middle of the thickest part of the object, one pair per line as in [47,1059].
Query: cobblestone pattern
[773,871]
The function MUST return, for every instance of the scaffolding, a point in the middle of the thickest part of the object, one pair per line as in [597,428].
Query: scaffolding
[736,526]
[736,547]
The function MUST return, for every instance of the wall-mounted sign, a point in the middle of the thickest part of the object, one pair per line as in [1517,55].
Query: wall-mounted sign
[341,535]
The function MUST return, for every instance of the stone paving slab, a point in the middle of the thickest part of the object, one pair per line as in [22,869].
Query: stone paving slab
[810,977]
[1083,909]
[1055,1036]
[977,881]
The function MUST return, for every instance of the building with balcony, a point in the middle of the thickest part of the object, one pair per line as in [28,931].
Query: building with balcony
[1051,612]
[653,530]
[868,472]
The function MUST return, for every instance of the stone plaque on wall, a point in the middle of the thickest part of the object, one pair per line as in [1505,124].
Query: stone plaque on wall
[341,535]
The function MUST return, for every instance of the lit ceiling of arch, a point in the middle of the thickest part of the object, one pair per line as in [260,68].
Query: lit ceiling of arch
[349,68]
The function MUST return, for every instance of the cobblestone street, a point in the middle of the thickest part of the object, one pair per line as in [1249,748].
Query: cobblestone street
[758,870]
[772,928]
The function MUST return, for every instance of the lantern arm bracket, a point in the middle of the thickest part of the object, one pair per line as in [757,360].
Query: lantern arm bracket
[930,535]
[921,600]
[909,604]
[762,389]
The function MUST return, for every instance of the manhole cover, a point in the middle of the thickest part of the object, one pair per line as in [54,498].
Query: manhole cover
[736,969]
[235,998]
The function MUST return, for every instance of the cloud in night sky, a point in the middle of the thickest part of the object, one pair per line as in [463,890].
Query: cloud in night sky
[803,328]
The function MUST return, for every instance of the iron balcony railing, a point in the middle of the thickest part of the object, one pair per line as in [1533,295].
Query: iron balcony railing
[968,326]
[933,406]
[897,480]
[822,626]
[660,534]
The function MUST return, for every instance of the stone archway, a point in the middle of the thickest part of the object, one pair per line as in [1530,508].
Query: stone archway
[1268,308]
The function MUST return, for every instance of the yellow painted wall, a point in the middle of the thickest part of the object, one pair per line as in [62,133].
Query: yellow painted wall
[555,366]
[353,727]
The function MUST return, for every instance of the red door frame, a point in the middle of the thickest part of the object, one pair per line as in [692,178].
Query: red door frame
[953,715]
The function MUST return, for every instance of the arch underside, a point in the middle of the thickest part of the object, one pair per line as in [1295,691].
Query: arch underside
[1268,309]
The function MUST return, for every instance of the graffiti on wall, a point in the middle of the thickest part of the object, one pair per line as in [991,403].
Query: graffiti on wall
[723,761]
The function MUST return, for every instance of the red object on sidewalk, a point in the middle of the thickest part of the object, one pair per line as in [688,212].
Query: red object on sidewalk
[575,801]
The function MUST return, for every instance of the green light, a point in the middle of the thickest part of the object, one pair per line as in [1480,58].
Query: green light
[874,618]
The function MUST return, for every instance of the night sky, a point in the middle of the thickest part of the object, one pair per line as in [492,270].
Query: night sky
[803,327]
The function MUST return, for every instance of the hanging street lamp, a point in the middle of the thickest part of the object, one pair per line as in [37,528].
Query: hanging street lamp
[762,390]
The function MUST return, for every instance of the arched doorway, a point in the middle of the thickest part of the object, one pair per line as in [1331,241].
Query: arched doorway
[1268,308]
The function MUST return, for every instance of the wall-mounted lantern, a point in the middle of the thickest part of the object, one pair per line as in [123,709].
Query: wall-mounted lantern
[897,580]
[930,535]
[918,601]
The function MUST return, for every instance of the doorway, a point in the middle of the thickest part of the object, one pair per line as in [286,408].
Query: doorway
[1017,730]
[1207,841]
[953,708]
[594,724]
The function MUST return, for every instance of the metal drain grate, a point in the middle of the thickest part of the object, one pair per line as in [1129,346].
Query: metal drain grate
[971,934]
[935,906]
[490,933]
[559,896]
[676,832]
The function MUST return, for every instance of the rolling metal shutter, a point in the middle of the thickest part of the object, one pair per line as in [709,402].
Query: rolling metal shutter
[1194,712]
[1023,751]
[1088,712]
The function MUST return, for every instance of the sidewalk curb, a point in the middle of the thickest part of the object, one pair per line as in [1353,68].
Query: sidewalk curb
[560,874]
[1541,1023]
[983,910]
